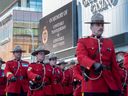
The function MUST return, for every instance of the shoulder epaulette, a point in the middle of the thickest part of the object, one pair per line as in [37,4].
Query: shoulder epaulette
[106,38]
[86,37]
[46,63]
[25,61]
[126,54]
[33,63]
[10,61]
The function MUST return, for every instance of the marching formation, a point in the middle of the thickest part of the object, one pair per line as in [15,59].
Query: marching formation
[98,70]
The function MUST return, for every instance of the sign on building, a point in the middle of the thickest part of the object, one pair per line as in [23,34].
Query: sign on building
[114,11]
[56,29]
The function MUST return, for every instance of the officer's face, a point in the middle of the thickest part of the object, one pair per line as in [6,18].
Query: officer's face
[53,61]
[62,66]
[40,56]
[97,29]
[120,57]
[17,55]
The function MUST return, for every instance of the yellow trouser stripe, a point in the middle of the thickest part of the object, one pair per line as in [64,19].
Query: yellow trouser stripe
[82,93]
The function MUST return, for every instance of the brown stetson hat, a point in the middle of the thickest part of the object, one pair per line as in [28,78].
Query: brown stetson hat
[18,49]
[97,19]
[62,63]
[2,61]
[52,55]
[40,49]
[119,52]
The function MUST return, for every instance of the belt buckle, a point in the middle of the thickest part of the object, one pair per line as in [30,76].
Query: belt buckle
[106,67]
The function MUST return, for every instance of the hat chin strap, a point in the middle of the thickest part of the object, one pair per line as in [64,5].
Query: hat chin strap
[96,36]
[17,58]
[40,62]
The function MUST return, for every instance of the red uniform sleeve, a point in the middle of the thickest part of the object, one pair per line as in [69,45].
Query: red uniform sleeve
[82,55]
[77,73]
[7,70]
[65,77]
[31,74]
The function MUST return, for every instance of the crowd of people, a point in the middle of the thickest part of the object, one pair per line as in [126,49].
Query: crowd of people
[98,70]
[38,78]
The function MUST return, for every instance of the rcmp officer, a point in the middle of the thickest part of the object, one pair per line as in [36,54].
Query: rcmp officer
[126,60]
[126,66]
[57,75]
[120,58]
[123,71]
[96,54]
[16,73]
[2,79]
[68,79]
[78,78]
[62,64]
[40,74]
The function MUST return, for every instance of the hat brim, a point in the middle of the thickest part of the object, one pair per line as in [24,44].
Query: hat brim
[72,63]
[23,51]
[36,52]
[53,58]
[2,62]
[120,52]
[62,63]
[97,22]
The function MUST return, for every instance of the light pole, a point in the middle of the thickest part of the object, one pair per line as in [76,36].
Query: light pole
[32,38]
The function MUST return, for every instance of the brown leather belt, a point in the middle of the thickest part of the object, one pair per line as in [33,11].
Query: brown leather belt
[106,67]
[3,83]
[21,77]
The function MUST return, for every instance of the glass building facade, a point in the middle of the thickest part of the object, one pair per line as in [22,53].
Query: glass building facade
[20,27]
[33,4]
[36,4]
[25,29]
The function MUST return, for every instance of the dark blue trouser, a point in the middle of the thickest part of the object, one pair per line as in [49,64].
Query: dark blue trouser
[111,93]
[22,93]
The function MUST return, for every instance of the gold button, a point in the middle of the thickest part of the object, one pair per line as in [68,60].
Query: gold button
[92,48]
[88,68]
